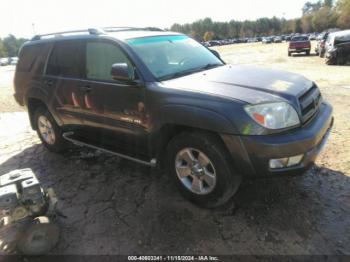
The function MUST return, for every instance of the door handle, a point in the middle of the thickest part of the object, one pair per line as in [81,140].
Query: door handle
[86,89]
[49,83]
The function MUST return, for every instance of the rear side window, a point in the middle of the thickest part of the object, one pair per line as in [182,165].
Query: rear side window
[67,59]
[28,57]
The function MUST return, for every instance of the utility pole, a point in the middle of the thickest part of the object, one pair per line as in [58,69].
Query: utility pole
[33,27]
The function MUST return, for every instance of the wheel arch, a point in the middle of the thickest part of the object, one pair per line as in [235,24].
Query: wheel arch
[176,119]
[33,104]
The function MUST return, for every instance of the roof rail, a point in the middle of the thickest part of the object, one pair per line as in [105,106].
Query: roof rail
[122,28]
[91,31]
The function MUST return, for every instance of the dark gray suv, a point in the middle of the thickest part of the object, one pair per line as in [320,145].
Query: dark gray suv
[162,99]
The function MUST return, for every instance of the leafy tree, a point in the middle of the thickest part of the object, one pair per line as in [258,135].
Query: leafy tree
[317,16]
[343,13]
[306,23]
[310,7]
[328,3]
[323,19]
[208,35]
[10,45]
[2,49]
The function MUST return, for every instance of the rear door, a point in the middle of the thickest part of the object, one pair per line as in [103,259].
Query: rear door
[63,80]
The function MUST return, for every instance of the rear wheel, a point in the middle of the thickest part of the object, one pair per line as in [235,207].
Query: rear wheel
[289,53]
[341,60]
[307,52]
[48,131]
[330,60]
[201,169]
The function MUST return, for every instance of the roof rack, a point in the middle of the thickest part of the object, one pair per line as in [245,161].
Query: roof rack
[96,31]
[91,31]
[122,28]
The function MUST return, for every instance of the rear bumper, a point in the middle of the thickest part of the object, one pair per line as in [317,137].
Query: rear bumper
[251,154]
[299,50]
[18,99]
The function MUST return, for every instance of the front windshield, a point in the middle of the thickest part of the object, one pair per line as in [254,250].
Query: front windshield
[173,56]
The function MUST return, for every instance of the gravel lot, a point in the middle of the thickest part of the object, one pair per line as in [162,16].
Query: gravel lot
[112,206]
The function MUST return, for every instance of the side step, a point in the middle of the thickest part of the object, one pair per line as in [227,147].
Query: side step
[69,136]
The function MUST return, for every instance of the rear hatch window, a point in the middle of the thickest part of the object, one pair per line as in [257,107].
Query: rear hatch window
[27,57]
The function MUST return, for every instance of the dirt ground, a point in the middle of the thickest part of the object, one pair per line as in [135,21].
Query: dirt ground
[111,206]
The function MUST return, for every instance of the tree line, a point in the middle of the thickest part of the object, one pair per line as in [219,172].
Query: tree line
[9,46]
[316,17]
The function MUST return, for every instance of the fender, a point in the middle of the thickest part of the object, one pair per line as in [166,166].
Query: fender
[43,96]
[195,117]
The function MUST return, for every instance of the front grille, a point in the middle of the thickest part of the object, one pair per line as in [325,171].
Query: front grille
[309,103]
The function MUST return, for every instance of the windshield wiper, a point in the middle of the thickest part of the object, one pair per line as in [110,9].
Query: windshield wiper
[210,66]
[189,71]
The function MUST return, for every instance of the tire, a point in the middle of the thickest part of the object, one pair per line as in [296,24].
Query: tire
[53,140]
[321,54]
[341,60]
[289,53]
[39,237]
[307,53]
[330,61]
[208,147]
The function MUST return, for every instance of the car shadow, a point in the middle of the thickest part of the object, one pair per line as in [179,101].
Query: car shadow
[113,206]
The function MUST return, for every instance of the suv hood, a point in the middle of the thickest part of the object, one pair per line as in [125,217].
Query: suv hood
[245,83]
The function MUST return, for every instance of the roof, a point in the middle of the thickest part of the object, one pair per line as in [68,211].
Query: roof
[120,33]
[340,35]
[124,35]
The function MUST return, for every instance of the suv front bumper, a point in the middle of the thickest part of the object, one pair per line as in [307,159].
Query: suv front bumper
[251,154]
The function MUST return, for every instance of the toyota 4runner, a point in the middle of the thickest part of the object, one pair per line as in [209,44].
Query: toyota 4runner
[162,99]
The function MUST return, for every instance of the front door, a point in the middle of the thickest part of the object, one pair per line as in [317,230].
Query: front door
[114,110]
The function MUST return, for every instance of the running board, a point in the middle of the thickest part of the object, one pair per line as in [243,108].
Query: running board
[67,136]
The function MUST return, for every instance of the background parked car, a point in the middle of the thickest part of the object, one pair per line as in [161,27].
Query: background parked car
[277,39]
[4,61]
[267,40]
[13,60]
[287,38]
[214,43]
[299,44]
[321,40]
[337,48]
[312,36]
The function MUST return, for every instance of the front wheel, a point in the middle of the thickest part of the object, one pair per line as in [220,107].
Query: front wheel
[202,169]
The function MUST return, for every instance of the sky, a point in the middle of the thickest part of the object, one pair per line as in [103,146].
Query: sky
[24,18]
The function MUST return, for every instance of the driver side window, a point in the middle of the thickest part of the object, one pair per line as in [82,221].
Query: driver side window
[100,56]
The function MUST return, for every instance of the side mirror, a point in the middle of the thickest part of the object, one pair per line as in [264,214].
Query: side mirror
[120,71]
[216,53]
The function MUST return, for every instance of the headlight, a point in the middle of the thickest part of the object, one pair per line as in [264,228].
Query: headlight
[273,115]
